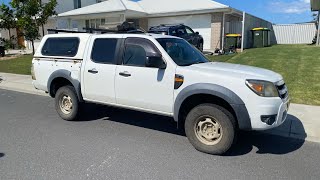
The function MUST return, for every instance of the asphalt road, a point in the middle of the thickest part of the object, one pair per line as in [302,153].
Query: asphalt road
[111,143]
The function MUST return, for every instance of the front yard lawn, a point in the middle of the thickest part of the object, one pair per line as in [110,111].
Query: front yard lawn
[298,64]
[19,65]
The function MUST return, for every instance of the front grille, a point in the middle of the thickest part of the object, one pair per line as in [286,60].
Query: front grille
[282,89]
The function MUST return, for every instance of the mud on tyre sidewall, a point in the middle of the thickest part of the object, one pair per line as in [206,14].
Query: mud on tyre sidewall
[67,103]
[210,129]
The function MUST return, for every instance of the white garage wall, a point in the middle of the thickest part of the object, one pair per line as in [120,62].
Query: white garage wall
[199,23]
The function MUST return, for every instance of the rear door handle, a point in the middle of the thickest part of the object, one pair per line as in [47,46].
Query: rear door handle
[125,74]
[93,71]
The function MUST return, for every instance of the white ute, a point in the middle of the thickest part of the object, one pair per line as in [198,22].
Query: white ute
[163,75]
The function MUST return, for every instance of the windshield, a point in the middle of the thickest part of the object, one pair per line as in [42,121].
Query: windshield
[182,53]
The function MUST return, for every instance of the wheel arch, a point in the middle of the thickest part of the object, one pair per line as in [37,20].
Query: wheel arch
[61,78]
[211,93]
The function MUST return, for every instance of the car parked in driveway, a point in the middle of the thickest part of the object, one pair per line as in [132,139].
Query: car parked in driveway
[180,30]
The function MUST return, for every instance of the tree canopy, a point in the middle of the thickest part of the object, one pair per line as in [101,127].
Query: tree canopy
[28,16]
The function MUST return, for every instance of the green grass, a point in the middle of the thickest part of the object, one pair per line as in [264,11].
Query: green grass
[298,64]
[20,65]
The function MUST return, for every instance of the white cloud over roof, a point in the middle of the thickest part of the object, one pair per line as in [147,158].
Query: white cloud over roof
[289,7]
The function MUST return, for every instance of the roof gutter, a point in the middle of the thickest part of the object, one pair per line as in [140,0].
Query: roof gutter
[79,16]
[203,11]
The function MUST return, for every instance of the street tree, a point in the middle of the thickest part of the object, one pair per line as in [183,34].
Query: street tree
[7,18]
[30,15]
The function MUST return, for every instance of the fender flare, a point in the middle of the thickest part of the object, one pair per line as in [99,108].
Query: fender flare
[66,75]
[226,94]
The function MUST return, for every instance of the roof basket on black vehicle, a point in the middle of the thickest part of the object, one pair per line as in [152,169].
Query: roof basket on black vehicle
[171,24]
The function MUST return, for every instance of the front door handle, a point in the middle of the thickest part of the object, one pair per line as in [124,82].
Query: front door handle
[93,71]
[125,74]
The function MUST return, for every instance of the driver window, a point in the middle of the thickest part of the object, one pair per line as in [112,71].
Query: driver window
[181,32]
[189,31]
[136,51]
[134,55]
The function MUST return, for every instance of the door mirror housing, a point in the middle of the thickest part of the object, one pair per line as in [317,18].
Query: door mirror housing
[155,60]
[197,33]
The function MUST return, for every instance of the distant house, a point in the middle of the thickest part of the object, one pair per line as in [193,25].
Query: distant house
[211,19]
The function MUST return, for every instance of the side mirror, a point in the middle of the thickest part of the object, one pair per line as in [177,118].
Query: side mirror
[155,60]
[197,33]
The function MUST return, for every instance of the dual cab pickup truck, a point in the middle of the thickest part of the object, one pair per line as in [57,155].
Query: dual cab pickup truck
[163,75]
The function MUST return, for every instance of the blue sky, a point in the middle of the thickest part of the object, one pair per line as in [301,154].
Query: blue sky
[276,11]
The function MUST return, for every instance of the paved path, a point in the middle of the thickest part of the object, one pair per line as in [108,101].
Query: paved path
[303,121]
[112,143]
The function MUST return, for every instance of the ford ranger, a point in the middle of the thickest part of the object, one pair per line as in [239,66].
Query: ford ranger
[163,75]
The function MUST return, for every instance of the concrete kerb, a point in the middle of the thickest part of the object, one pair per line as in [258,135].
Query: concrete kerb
[303,121]
[20,83]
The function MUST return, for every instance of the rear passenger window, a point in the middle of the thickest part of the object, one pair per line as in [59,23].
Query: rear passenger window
[67,46]
[104,51]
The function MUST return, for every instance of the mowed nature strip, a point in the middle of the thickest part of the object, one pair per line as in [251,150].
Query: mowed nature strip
[19,65]
[298,64]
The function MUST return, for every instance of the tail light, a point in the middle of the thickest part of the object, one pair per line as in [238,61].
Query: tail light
[32,72]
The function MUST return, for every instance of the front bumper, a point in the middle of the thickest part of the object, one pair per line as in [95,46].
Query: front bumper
[278,108]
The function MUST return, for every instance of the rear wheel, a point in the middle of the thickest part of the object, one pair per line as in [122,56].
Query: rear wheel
[67,103]
[210,129]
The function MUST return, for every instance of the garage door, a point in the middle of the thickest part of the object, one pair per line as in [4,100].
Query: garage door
[199,23]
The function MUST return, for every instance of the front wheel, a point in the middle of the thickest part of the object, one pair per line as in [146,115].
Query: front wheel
[210,129]
[67,103]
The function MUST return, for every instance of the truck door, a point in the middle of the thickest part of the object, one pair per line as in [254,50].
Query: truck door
[99,69]
[142,87]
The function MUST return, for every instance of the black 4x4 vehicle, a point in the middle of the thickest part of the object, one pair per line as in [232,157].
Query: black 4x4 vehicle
[180,30]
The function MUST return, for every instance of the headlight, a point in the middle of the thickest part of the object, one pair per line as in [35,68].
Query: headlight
[263,88]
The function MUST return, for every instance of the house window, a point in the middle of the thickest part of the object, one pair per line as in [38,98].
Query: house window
[87,23]
[95,23]
[77,4]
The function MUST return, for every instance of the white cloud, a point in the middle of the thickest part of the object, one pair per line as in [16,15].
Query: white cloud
[289,7]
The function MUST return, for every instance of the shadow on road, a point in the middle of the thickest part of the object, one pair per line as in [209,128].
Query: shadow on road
[92,112]
[265,143]
[1,155]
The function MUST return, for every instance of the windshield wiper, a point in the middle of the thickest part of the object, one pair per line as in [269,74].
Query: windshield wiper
[189,64]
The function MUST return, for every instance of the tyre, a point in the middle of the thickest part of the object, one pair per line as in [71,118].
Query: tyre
[210,129]
[67,103]
[200,46]
[2,52]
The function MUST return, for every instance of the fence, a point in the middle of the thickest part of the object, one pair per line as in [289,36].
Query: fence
[294,33]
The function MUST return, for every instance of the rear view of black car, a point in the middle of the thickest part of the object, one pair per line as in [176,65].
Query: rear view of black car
[180,30]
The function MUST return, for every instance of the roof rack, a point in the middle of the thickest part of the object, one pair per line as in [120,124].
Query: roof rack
[125,27]
[104,31]
[56,31]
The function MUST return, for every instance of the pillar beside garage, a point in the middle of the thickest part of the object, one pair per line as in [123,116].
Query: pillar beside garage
[216,30]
